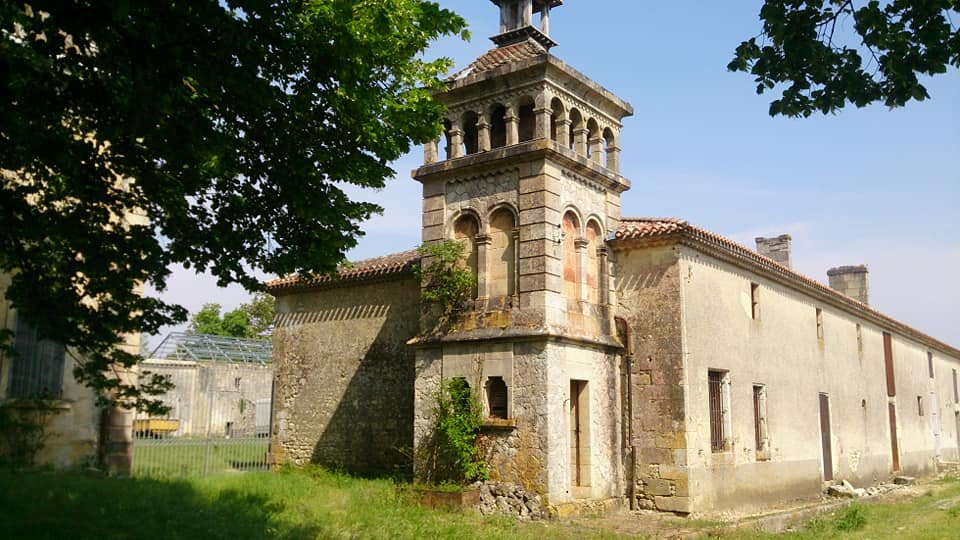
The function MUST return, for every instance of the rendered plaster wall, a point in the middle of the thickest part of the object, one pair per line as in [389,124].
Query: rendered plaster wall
[600,445]
[74,430]
[344,376]
[649,289]
[782,351]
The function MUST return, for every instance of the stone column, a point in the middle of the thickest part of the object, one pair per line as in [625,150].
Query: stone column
[513,125]
[545,19]
[483,133]
[596,150]
[581,244]
[580,141]
[526,13]
[456,140]
[430,152]
[483,242]
[543,116]
[613,158]
[515,234]
[563,132]
[603,275]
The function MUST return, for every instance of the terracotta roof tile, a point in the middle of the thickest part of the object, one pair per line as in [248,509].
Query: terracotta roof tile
[500,56]
[640,230]
[385,265]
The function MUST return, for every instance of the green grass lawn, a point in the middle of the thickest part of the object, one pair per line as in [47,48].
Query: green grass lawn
[314,503]
[296,504]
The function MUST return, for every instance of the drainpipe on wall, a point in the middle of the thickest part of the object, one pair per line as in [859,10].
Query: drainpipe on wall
[631,452]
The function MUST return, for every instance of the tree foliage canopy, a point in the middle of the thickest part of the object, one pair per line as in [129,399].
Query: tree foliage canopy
[231,126]
[250,320]
[824,54]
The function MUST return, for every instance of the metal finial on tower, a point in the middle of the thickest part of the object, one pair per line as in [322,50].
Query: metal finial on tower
[516,21]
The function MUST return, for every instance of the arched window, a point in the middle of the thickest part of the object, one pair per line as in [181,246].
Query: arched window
[498,127]
[594,143]
[557,107]
[571,260]
[576,122]
[465,229]
[470,133]
[609,140]
[528,123]
[501,255]
[594,237]
[497,397]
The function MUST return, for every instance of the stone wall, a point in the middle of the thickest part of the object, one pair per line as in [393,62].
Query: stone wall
[649,287]
[344,375]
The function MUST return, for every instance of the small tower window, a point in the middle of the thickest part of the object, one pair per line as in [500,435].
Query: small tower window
[497,397]
[755,301]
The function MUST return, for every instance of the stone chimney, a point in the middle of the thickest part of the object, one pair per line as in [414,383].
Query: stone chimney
[851,281]
[777,248]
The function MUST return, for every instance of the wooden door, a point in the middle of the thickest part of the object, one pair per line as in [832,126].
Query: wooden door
[935,421]
[825,437]
[894,447]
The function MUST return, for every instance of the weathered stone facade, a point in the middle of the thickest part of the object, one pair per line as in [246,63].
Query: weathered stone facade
[344,376]
[644,360]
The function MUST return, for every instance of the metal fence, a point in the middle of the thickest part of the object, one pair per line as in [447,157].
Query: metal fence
[160,455]
[220,409]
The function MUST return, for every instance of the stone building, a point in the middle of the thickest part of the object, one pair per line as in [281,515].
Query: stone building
[78,432]
[626,359]
[222,386]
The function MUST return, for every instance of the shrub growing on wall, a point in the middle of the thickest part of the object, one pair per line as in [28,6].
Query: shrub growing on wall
[447,284]
[452,455]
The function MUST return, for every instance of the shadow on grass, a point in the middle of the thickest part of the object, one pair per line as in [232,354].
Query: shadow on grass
[36,504]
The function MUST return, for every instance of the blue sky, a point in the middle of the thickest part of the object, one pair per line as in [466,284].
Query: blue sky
[866,186]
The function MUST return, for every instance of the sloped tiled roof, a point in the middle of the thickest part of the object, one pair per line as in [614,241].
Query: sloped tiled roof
[500,56]
[376,267]
[638,231]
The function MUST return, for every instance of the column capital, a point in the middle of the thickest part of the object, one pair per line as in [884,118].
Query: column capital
[483,239]
[581,243]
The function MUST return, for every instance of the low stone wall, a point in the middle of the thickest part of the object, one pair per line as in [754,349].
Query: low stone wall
[509,500]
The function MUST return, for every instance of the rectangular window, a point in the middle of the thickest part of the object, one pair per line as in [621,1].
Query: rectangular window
[236,383]
[956,393]
[819,323]
[859,339]
[719,410]
[37,370]
[930,363]
[755,301]
[497,397]
[760,421]
[919,405]
[888,363]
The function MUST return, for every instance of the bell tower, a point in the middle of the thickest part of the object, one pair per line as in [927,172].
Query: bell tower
[527,175]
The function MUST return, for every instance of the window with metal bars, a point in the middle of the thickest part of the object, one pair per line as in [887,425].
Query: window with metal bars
[37,368]
[760,420]
[497,397]
[717,382]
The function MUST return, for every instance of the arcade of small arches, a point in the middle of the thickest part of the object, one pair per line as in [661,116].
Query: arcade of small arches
[492,247]
[525,119]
